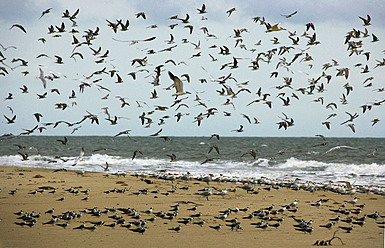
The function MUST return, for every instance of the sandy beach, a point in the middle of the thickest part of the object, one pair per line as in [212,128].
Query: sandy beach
[85,194]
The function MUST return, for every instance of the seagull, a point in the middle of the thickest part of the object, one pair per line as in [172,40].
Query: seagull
[42,78]
[80,157]
[178,85]
[339,148]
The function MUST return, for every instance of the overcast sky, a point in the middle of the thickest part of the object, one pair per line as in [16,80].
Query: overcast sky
[332,21]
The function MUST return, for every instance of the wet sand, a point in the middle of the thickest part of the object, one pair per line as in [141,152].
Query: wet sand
[27,180]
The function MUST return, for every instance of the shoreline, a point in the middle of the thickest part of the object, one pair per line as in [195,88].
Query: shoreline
[29,197]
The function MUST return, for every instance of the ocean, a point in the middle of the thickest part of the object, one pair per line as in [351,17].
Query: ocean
[277,158]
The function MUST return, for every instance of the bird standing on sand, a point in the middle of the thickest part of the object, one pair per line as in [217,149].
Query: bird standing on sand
[206,193]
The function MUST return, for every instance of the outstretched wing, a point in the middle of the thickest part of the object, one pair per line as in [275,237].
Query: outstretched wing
[177,82]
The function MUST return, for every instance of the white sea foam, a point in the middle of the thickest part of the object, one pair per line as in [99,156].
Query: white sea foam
[292,167]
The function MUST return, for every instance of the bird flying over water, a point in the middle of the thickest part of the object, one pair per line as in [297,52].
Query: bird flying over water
[339,148]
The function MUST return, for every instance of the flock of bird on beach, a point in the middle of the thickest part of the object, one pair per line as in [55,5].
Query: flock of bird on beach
[110,78]
[269,217]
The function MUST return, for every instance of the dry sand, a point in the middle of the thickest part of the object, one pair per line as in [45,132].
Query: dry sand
[26,180]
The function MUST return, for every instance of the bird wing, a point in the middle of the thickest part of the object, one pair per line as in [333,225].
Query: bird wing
[331,149]
[349,147]
[177,82]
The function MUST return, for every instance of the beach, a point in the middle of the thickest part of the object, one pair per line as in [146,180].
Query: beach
[87,192]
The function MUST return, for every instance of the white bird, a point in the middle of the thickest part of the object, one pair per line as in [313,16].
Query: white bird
[352,201]
[178,85]
[206,193]
[222,192]
[339,148]
[80,158]
[42,78]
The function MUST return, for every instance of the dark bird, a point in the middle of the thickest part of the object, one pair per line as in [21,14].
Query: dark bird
[63,141]
[10,120]
[24,156]
[252,153]
[230,11]
[214,147]
[348,229]
[136,152]
[123,132]
[290,15]
[216,227]
[202,10]
[177,229]
[38,116]
[238,130]
[18,26]
[157,133]
[366,21]
[215,136]
[141,14]
[139,229]
[45,12]
[172,157]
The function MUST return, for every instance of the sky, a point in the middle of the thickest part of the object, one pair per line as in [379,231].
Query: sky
[197,54]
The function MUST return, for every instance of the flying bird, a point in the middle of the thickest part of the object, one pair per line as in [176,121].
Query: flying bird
[178,84]
[18,26]
[290,15]
[230,11]
[10,120]
[339,148]
[42,78]
[202,10]
[136,152]
[45,12]
[366,21]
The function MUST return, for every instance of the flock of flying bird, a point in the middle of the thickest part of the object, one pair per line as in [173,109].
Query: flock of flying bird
[284,89]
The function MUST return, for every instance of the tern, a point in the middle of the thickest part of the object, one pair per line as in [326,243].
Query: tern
[206,193]
[216,227]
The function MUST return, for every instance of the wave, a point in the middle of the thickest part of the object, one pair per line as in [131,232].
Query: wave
[288,169]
